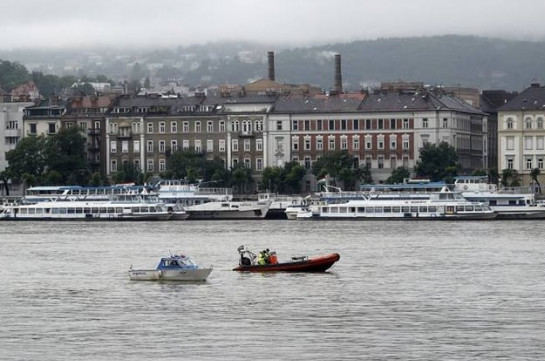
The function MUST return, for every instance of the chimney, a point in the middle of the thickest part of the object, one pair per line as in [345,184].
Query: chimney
[338,74]
[270,55]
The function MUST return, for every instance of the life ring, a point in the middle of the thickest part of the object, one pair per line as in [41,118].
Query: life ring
[465,188]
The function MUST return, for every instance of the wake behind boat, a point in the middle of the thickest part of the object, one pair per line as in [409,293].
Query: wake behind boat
[249,262]
[172,268]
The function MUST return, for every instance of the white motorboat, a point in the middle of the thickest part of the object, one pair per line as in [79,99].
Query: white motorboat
[507,203]
[229,210]
[172,268]
[445,205]
[293,211]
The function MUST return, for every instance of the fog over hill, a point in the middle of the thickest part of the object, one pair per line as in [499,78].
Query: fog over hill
[452,60]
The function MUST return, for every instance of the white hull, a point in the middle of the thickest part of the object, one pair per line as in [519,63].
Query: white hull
[170,275]
[229,210]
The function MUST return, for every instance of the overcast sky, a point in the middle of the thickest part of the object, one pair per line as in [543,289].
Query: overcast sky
[136,23]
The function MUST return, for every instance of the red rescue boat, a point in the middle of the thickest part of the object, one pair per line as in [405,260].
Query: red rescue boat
[322,263]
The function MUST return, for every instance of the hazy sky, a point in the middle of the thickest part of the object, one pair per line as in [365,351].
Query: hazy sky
[135,23]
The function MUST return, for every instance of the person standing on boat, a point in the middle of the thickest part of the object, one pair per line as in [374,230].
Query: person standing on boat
[267,255]
[261,258]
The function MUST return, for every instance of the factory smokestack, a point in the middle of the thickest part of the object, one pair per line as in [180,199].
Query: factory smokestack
[271,65]
[338,75]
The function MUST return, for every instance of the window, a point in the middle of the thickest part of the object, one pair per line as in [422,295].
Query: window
[540,162]
[540,143]
[136,146]
[343,124]
[307,163]
[125,146]
[185,127]
[113,146]
[510,162]
[406,143]
[51,128]
[149,165]
[294,125]
[137,165]
[356,143]
[174,145]
[210,145]
[528,123]
[307,143]
[258,126]
[368,124]
[162,127]
[380,142]
[380,162]
[185,144]
[258,164]
[344,142]
[234,162]
[246,145]
[173,127]
[136,127]
[331,125]
[222,126]
[221,145]
[278,125]
[445,122]
[295,143]
[113,165]
[319,124]
[528,163]
[510,143]
[539,123]
[149,146]
[234,145]
[162,146]
[393,162]
[259,145]
[113,128]
[209,126]
[198,146]
[307,125]
[393,124]
[235,125]
[355,124]
[509,123]
[528,144]
[32,129]
[247,127]
[162,165]
[393,142]
[150,128]
[197,127]
[319,143]
[380,124]
[368,162]
[424,122]
[331,145]
[368,142]
[405,123]
[247,163]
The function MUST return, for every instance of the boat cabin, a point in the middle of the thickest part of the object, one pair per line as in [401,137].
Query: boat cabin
[176,262]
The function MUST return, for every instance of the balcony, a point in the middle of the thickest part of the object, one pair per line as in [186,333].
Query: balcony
[12,133]
[246,133]
[124,135]
[93,131]
[93,147]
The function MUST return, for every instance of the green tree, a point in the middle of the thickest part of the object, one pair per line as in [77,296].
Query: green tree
[510,178]
[437,162]
[398,175]
[241,178]
[28,157]
[12,75]
[294,173]
[66,155]
[535,174]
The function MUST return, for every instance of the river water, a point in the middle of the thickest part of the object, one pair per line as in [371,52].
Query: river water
[402,290]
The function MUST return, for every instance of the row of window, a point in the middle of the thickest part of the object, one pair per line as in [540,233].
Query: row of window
[197,145]
[245,126]
[379,163]
[150,164]
[530,162]
[368,143]
[529,123]
[529,143]
[347,124]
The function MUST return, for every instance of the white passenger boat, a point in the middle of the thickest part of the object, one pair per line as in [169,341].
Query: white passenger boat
[229,210]
[279,204]
[507,203]
[444,205]
[88,210]
[172,268]
[293,211]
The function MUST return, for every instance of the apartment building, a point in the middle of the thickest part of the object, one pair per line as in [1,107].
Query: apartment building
[521,133]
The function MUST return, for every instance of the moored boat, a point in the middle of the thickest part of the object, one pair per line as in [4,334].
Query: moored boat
[172,268]
[229,210]
[248,263]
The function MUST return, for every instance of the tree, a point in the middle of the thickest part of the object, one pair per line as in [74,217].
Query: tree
[28,157]
[66,155]
[398,175]
[12,75]
[437,162]
[510,178]
[535,174]
[241,178]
